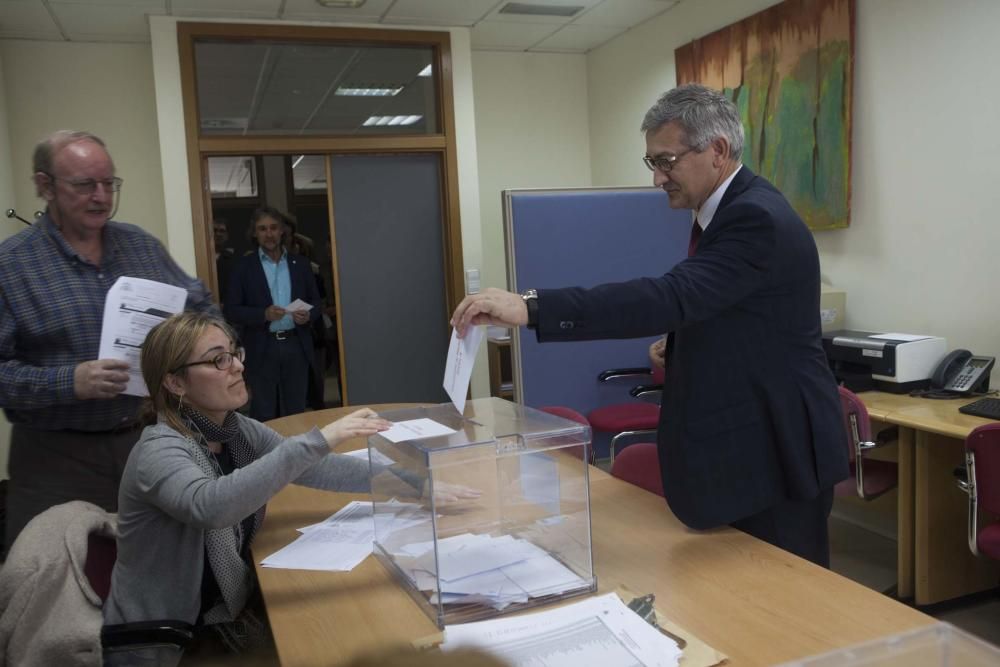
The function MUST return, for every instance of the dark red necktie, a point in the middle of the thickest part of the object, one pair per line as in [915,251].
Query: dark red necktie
[695,235]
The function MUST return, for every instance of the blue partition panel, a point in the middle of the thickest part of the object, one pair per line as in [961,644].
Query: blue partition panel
[585,237]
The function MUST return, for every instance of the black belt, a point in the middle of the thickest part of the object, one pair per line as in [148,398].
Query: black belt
[285,334]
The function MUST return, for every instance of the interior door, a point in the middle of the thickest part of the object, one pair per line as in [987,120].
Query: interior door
[387,225]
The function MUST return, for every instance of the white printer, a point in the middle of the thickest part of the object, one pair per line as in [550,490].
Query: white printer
[893,362]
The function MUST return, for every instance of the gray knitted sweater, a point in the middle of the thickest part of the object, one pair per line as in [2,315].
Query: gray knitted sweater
[166,503]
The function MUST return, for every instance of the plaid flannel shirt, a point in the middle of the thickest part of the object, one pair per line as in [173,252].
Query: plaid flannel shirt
[51,311]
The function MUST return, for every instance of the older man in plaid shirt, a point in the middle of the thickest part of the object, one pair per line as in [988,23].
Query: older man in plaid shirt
[72,427]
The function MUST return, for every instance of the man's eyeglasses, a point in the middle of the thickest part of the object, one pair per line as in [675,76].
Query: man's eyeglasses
[666,163]
[222,361]
[88,186]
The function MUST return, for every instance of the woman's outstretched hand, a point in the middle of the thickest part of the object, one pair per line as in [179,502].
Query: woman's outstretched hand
[450,494]
[364,422]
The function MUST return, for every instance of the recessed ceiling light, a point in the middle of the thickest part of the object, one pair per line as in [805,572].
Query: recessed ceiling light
[369,92]
[350,4]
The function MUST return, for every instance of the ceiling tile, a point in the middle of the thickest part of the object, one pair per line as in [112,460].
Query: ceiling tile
[509,36]
[26,19]
[496,16]
[226,7]
[105,22]
[439,12]
[624,13]
[578,38]
[310,10]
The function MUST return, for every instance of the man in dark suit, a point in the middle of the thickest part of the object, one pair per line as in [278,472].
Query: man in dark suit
[751,433]
[278,342]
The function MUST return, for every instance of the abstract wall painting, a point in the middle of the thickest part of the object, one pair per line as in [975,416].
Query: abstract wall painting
[790,71]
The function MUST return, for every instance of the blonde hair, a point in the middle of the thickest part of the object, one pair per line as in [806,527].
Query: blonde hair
[167,346]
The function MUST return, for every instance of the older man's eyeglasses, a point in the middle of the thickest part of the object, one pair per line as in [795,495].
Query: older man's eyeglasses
[88,186]
[223,360]
[664,163]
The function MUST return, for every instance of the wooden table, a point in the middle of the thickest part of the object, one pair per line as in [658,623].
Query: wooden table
[754,602]
[933,559]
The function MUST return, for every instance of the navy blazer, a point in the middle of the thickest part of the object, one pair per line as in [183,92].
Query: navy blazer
[248,296]
[750,416]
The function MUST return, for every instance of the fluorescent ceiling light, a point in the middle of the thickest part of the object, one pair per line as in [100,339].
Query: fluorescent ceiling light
[351,4]
[391,120]
[298,160]
[369,92]
[427,71]
[532,9]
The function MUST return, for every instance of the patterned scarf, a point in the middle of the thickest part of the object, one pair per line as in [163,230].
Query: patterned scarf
[233,575]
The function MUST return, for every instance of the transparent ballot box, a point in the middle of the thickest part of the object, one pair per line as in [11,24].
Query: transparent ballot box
[503,517]
[937,645]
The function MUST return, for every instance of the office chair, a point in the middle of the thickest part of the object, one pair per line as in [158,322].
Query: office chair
[572,415]
[982,483]
[639,464]
[54,585]
[629,420]
[872,477]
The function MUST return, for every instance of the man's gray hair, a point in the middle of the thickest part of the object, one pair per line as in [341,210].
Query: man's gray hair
[703,113]
[47,148]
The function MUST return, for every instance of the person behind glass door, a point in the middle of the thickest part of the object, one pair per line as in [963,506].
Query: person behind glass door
[278,343]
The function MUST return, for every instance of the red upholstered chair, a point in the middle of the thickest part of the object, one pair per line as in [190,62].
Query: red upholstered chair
[572,415]
[982,471]
[639,464]
[872,477]
[629,420]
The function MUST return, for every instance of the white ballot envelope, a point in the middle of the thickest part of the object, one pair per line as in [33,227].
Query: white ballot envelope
[297,305]
[133,307]
[458,369]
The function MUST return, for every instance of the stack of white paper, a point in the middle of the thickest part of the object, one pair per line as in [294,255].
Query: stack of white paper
[345,539]
[598,631]
[495,571]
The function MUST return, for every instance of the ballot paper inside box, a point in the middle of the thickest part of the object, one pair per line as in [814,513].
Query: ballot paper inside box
[509,499]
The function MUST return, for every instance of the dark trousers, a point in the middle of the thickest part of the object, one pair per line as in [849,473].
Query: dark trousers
[798,526]
[278,380]
[48,468]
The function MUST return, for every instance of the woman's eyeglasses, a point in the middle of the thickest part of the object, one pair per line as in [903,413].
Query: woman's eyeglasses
[222,361]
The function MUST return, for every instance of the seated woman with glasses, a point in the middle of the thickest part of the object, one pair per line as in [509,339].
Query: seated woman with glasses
[195,486]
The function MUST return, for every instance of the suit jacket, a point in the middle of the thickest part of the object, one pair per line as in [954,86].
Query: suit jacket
[248,296]
[750,415]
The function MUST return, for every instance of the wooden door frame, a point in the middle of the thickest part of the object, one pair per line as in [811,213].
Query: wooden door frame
[200,148]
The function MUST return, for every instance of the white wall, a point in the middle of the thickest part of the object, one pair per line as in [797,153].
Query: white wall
[926,158]
[104,88]
[531,132]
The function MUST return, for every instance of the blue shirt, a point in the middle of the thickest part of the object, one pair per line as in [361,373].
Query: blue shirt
[51,310]
[279,283]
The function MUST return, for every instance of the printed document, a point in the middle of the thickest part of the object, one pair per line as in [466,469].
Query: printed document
[458,368]
[345,539]
[597,631]
[133,307]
